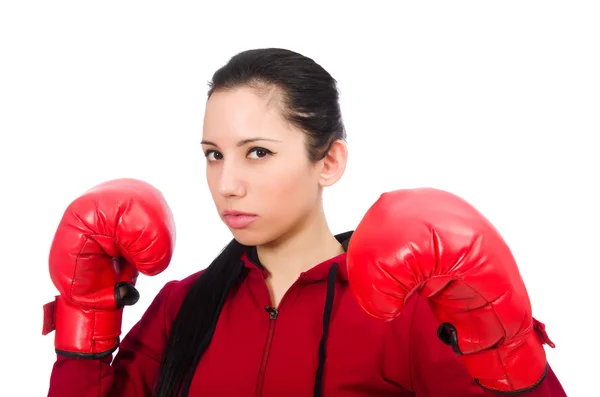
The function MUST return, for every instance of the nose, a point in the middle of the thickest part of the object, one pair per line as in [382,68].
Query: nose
[231,182]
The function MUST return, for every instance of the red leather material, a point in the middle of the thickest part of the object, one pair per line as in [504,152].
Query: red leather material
[105,237]
[433,243]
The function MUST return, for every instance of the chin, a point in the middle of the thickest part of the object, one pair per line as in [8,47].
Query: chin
[249,237]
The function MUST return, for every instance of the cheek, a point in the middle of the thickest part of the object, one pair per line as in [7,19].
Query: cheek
[212,180]
[285,188]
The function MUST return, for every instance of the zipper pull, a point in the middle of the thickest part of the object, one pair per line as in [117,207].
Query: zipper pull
[272,312]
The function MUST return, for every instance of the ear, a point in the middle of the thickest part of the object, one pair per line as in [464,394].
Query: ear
[334,164]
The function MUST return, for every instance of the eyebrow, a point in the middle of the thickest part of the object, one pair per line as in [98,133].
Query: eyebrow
[242,142]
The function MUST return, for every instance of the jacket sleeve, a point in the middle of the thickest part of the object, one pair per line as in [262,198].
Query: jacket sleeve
[134,368]
[437,371]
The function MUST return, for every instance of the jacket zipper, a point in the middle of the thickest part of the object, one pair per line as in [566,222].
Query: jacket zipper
[273,313]
[263,364]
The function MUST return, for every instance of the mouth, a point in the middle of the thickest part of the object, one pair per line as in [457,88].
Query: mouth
[237,219]
[237,213]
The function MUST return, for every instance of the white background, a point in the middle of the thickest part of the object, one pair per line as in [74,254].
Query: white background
[499,103]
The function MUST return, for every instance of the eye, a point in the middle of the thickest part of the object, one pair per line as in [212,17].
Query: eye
[213,155]
[258,152]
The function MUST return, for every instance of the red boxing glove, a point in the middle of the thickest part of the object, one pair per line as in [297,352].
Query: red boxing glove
[105,238]
[435,244]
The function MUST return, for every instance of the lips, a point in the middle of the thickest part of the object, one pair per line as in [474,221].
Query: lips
[237,219]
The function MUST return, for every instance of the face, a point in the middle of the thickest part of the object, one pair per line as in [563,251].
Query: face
[257,169]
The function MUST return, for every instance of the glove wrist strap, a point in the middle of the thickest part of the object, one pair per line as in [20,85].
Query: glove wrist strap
[514,368]
[83,332]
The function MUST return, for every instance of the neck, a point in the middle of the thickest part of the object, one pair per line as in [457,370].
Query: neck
[309,244]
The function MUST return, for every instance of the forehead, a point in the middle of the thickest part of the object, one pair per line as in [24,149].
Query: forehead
[243,113]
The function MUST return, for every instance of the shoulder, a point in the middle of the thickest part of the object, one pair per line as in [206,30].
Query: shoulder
[178,287]
[170,297]
[417,320]
[415,329]
[174,291]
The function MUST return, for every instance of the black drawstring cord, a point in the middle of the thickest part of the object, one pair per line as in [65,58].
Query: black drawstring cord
[318,392]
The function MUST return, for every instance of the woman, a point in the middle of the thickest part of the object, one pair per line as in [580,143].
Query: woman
[273,314]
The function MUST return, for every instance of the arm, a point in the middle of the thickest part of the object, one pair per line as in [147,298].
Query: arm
[105,239]
[432,243]
[436,370]
[134,368]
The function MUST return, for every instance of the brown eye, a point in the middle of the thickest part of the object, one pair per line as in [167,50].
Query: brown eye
[259,152]
[212,155]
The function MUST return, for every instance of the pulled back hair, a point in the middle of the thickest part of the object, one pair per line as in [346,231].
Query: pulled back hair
[309,99]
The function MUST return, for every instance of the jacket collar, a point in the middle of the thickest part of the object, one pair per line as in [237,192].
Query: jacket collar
[318,272]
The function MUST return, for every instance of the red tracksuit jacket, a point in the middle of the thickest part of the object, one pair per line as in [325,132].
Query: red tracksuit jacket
[257,354]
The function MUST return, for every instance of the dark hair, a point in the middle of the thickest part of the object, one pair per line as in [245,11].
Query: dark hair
[310,101]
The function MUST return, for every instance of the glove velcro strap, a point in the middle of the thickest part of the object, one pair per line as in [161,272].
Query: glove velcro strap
[83,332]
[514,367]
